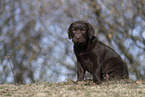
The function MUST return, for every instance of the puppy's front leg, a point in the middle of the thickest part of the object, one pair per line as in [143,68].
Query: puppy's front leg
[97,72]
[80,72]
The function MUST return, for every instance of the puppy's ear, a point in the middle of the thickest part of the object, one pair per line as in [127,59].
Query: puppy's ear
[91,30]
[69,31]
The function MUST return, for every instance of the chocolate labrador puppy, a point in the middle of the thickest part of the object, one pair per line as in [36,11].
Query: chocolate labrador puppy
[93,56]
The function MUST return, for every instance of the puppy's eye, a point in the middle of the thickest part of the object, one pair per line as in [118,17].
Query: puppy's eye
[84,30]
[73,30]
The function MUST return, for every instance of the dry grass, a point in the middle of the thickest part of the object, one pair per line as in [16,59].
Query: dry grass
[75,89]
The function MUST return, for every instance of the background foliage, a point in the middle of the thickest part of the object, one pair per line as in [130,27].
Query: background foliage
[34,44]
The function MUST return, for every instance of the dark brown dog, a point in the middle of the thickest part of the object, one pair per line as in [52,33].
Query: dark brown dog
[94,56]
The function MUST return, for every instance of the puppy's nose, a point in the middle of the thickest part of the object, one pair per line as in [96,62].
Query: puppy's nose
[78,36]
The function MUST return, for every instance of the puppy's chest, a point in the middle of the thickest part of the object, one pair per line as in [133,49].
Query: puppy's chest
[86,62]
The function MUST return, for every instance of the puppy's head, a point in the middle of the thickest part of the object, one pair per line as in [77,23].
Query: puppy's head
[80,31]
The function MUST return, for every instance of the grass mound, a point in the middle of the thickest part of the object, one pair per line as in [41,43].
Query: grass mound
[76,89]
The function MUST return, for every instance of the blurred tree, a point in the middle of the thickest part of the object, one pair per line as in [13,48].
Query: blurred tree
[34,43]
